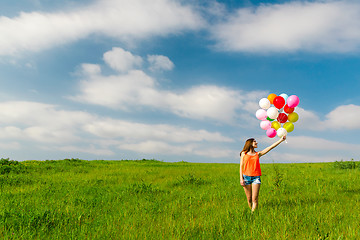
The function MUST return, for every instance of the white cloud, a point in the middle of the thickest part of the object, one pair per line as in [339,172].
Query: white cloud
[10,146]
[309,149]
[132,131]
[40,122]
[158,139]
[120,19]
[47,134]
[91,150]
[135,88]
[319,26]
[138,89]
[215,152]
[206,101]
[316,143]
[47,123]
[90,69]
[309,120]
[119,91]
[10,132]
[276,157]
[344,117]
[157,147]
[34,113]
[122,60]
[159,62]
[26,124]
[163,148]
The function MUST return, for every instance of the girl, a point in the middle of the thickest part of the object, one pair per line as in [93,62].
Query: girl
[250,171]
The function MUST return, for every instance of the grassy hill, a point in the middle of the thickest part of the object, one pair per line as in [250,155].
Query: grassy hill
[148,199]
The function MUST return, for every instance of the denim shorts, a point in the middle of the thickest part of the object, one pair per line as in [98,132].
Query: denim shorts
[251,179]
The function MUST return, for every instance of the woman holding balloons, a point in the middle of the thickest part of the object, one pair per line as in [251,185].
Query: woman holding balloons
[274,111]
[250,170]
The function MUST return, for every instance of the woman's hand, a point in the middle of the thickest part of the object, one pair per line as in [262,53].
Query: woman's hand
[283,138]
[242,183]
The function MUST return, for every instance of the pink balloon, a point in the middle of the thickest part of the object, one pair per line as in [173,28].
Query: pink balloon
[293,101]
[271,132]
[261,114]
[265,124]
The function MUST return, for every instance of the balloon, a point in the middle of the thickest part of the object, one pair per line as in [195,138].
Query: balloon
[293,117]
[270,119]
[289,127]
[271,132]
[281,132]
[261,114]
[288,109]
[264,103]
[271,97]
[293,101]
[285,96]
[265,124]
[279,102]
[276,125]
[277,114]
[272,113]
[282,118]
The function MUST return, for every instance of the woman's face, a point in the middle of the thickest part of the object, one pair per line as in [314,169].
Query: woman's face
[254,144]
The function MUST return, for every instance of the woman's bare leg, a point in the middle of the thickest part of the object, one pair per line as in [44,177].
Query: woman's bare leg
[248,192]
[255,195]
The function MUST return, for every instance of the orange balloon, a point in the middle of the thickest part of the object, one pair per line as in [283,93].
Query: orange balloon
[271,97]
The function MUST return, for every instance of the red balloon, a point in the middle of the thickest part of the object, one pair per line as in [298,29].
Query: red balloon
[288,109]
[279,102]
[282,118]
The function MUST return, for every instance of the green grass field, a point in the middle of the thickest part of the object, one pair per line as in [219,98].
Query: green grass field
[75,199]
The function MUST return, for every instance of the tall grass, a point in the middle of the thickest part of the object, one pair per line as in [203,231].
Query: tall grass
[76,199]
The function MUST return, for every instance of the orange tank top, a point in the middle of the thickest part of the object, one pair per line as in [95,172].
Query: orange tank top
[251,165]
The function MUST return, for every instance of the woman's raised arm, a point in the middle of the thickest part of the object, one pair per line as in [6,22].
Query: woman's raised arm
[266,150]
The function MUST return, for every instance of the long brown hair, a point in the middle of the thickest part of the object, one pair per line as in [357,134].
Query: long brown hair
[248,146]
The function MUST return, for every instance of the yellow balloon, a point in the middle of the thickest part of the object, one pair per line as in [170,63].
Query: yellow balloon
[293,117]
[275,125]
[289,126]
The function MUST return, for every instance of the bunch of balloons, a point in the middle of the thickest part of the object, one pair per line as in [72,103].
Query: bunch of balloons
[277,114]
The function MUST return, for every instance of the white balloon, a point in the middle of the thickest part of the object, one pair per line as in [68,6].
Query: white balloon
[281,132]
[285,96]
[264,103]
[272,113]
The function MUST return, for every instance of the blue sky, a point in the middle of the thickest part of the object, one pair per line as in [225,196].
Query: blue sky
[176,80]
